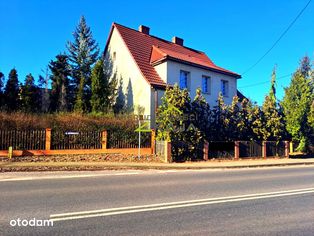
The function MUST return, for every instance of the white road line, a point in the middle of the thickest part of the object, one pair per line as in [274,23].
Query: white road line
[172,205]
[66,176]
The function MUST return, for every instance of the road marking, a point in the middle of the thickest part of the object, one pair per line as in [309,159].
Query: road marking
[67,176]
[172,205]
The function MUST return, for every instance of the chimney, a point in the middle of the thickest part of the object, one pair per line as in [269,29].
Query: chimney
[177,40]
[144,29]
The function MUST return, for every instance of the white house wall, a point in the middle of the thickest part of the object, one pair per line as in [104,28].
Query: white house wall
[173,76]
[127,69]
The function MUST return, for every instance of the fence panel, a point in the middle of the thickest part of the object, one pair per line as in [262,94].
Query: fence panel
[250,149]
[160,147]
[182,151]
[275,149]
[61,140]
[22,139]
[221,150]
[117,139]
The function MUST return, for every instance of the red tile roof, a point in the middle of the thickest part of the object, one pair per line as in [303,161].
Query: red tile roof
[148,50]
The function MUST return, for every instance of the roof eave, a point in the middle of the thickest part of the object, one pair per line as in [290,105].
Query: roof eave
[162,60]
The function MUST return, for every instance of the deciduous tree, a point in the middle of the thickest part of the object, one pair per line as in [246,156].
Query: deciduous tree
[297,103]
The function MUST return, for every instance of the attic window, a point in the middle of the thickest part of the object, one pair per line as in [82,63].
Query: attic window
[114,55]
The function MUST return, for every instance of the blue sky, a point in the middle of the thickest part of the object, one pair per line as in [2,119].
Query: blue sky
[234,34]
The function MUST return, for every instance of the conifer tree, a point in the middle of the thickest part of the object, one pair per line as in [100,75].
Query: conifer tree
[29,95]
[83,54]
[176,122]
[43,82]
[273,121]
[11,91]
[60,91]
[1,88]
[103,88]
[297,103]
[203,115]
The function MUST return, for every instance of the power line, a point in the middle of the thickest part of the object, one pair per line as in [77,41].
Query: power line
[277,41]
[264,82]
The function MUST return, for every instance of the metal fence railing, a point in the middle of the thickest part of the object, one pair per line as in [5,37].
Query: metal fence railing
[22,139]
[183,151]
[61,140]
[128,139]
[221,150]
[274,148]
[250,149]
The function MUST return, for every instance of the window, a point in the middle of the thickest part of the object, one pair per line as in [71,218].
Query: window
[184,79]
[224,88]
[205,84]
[114,56]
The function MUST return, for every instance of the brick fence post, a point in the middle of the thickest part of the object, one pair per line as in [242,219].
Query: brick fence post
[205,151]
[236,150]
[168,157]
[152,142]
[48,139]
[264,150]
[287,148]
[104,137]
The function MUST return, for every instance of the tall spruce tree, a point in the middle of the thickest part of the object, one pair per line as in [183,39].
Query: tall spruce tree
[30,97]
[83,54]
[11,91]
[297,103]
[273,121]
[60,92]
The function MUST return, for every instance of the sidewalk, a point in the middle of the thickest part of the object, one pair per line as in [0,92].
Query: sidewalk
[215,164]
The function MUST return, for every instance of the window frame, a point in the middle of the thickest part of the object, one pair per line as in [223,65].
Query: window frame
[224,88]
[208,87]
[187,80]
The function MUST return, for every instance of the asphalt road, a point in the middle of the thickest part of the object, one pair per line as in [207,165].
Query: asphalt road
[266,201]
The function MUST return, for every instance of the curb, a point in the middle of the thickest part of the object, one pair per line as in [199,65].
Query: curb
[140,167]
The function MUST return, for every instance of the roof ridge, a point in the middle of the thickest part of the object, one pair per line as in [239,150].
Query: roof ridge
[165,40]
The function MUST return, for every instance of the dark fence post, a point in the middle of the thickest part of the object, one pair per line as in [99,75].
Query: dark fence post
[286,148]
[152,143]
[236,150]
[104,138]
[205,151]
[264,149]
[48,139]
[168,157]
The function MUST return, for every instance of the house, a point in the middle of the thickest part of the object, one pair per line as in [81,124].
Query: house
[146,64]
